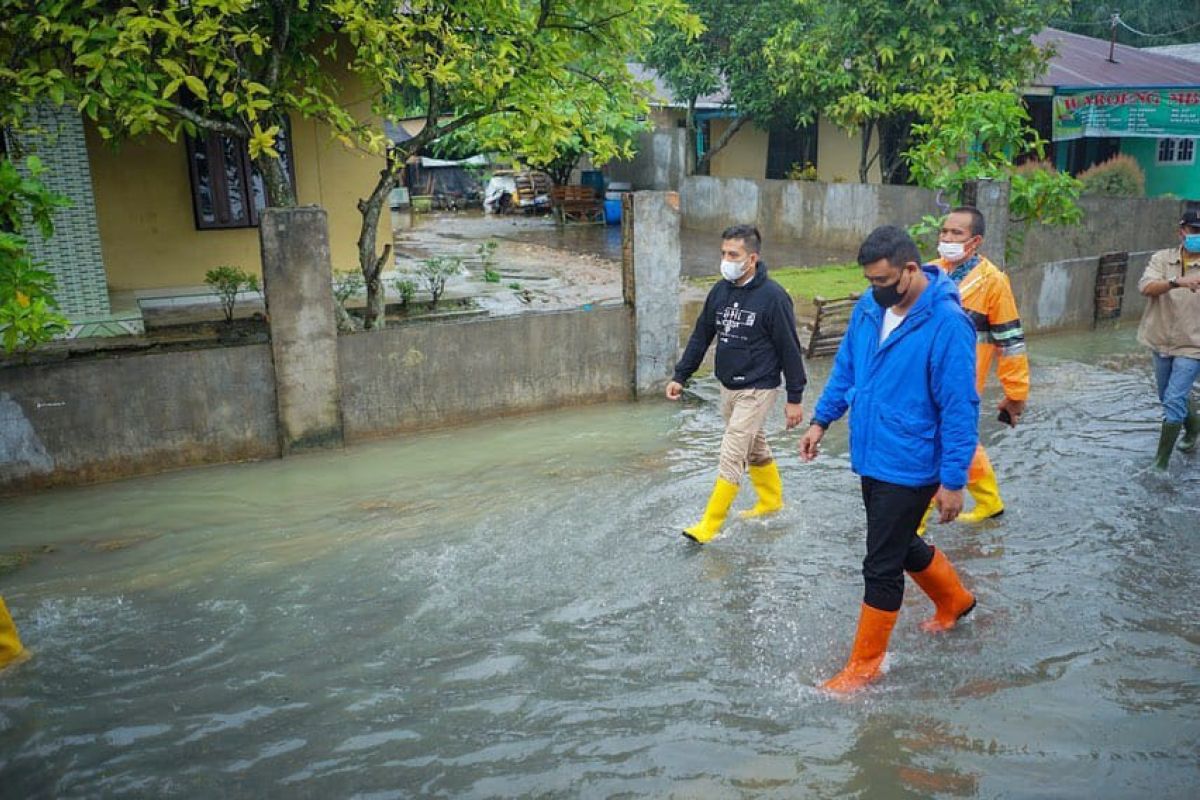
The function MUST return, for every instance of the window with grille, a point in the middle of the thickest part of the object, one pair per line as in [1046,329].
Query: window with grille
[1176,151]
[227,190]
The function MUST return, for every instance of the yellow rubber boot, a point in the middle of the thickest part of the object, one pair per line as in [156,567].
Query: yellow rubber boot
[714,514]
[987,499]
[769,489]
[925,519]
[870,646]
[10,643]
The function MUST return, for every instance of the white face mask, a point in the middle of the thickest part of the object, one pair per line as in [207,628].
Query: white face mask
[952,251]
[732,270]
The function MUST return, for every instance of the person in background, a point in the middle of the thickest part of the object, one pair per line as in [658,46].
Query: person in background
[987,297]
[1170,327]
[905,371]
[752,319]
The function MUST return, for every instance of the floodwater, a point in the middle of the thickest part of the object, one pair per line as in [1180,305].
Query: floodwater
[508,610]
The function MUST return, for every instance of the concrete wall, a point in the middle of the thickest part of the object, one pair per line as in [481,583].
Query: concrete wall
[425,375]
[1057,295]
[80,421]
[1110,223]
[85,421]
[829,215]
[659,163]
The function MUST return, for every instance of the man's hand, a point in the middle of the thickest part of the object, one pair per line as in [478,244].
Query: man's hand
[949,503]
[794,414]
[1015,409]
[1190,281]
[810,441]
[674,390]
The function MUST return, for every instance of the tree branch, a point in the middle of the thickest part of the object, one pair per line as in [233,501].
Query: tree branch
[279,41]
[729,133]
[214,125]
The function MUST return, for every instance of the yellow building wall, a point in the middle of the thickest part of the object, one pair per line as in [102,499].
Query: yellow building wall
[838,153]
[147,227]
[744,157]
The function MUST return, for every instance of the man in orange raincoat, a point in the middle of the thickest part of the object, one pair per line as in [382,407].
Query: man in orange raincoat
[988,299]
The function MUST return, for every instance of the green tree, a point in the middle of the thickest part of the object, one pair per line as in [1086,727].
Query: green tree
[876,66]
[28,314]
[728,56]
[538,78]
[972,137]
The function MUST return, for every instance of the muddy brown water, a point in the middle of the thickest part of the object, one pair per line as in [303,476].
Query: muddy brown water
[507,610]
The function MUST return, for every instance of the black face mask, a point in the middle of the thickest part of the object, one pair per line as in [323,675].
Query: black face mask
[887,296]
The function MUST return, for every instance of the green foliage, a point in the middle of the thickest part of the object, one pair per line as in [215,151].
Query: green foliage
[226,282]
[727,53]
[802,172]
[407,289]
[487,258]
[975,137]
[1119,176]
[435,271]
[28,314]
[876,65]
[346,284]
[1171,21]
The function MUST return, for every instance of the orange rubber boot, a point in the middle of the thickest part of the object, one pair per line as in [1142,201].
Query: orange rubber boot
[941,583]
[870,646]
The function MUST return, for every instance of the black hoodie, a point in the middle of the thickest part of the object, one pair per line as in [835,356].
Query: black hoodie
[756,337]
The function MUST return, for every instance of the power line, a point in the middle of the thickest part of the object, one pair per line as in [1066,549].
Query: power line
[1117,20]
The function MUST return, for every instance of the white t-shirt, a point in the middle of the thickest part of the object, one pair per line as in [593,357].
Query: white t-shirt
[891,321]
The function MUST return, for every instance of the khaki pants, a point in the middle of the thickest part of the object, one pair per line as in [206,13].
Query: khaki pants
[745,412]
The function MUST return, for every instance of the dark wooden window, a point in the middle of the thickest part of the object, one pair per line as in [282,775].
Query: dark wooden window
[788,147]
[227,191]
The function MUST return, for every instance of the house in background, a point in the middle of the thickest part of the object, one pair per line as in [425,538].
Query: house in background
[1096,100]
[149,217]
[1158,126]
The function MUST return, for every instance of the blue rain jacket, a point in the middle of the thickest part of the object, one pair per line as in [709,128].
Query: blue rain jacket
[914,411]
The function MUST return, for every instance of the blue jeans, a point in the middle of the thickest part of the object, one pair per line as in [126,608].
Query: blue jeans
[1175,376]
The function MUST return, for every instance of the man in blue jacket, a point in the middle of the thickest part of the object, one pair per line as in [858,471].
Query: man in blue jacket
[751,316]
[906,371]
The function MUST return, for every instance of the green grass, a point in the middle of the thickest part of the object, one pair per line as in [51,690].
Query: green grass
[805,283]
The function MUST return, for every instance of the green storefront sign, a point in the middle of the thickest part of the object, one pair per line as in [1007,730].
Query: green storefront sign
[1126,112]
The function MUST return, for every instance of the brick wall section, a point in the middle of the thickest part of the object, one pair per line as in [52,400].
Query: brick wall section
[73,253]
[1110,285]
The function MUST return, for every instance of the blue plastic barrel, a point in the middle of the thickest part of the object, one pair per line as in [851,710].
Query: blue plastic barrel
[612,212]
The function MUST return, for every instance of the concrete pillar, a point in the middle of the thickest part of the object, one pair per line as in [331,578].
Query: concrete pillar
[991,198]
[651,285]
[298,292]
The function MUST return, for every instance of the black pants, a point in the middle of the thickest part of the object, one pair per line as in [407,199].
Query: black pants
[893,514]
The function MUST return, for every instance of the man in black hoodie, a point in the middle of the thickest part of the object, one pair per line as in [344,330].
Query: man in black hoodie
[751,316]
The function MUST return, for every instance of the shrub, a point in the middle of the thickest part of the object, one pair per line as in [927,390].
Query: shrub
[226,282]
[802,172]
[434,272]
[346,284]
[407,290]
[1120,176]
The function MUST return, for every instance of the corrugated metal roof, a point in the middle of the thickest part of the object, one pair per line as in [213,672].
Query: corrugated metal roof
[1189,52]
[1082,61]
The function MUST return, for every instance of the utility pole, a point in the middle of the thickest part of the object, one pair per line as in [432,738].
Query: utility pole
[1112,41]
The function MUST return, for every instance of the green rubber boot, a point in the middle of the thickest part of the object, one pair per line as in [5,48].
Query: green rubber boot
[1166,442]
[1191,429]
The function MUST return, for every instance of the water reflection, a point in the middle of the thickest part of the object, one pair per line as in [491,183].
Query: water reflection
[508,610]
